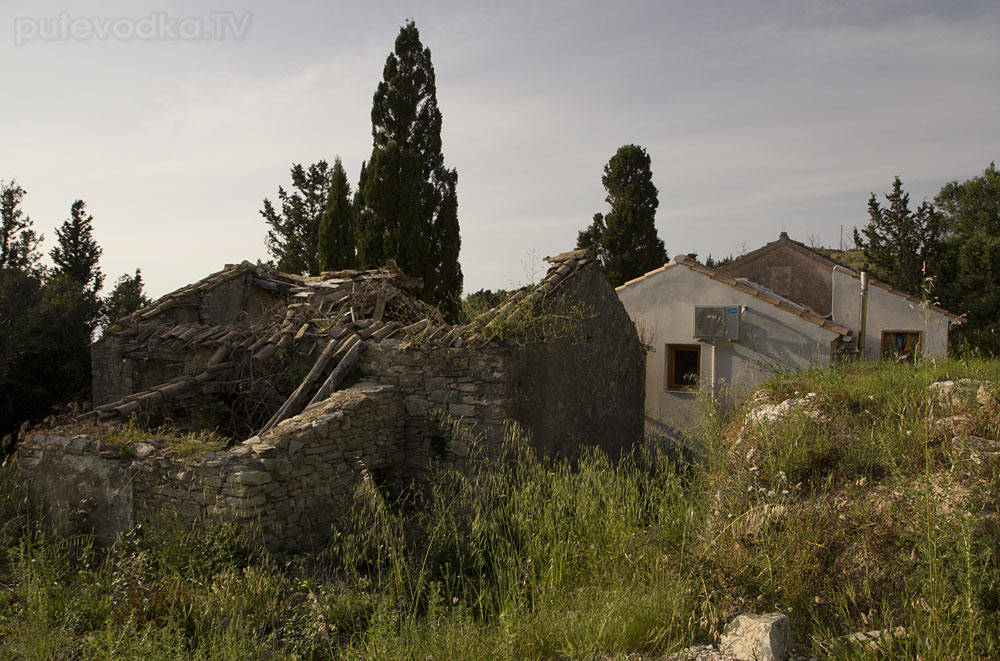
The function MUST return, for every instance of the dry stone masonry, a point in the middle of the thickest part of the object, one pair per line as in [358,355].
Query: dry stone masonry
[561,361]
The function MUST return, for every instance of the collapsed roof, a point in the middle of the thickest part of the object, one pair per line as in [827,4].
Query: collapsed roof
[326,321]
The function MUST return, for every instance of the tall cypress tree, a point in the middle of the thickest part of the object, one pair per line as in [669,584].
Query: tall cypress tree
[407,204]
[625,239]
[336,227]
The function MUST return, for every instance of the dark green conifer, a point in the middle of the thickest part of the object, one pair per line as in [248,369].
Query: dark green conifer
[625,239]
[901,246]
[127,297]
[336,227]
[77,255]
[293,234]
[18,241]
[407,204]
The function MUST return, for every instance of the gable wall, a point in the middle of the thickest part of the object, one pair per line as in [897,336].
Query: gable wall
[583,385]
[120,368]
[790,273]
[887,312]
[580,384]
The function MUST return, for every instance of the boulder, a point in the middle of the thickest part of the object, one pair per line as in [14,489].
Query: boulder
[752,637]
[964,392]
[770,413]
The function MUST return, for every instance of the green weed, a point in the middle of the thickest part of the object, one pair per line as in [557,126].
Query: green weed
[857,512]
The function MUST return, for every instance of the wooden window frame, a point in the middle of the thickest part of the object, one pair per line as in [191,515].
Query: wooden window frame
[884,351]
[671,384]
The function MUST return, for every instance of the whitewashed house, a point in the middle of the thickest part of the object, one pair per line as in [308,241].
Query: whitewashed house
[783,306]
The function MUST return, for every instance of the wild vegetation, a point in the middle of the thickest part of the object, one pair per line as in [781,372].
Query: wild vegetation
[624,240]
[48,314]
[405,206]
[947,251]
[872,505]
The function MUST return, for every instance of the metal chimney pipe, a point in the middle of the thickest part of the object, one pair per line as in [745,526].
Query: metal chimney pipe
[864,312]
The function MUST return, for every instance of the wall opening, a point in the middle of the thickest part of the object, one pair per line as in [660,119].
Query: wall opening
[683,367]
[900,345]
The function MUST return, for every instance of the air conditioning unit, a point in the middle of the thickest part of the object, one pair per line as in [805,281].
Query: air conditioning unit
[717,322]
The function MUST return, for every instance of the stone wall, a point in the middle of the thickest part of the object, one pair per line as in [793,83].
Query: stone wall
[562,362]
[571,376]
[420,404]
[584,384]
[284,487]
[454,398]
[113,375]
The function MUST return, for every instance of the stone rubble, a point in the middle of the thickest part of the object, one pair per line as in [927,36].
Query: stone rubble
[962,393]
[748,637]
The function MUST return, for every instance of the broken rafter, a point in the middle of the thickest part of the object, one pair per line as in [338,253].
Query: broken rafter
[296,397]
[351,352]
[272,285]
[398,295]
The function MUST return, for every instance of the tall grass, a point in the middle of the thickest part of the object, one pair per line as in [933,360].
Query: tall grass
[541,558]
[855,513]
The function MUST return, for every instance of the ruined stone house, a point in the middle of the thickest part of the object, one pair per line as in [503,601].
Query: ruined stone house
[327,381]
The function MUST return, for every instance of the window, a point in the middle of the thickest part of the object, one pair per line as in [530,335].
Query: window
[900,345]
[683,366]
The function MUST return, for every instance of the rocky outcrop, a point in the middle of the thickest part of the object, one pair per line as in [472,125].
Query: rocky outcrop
[749,637]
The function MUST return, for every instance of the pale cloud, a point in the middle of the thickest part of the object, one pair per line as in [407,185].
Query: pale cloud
[759,117]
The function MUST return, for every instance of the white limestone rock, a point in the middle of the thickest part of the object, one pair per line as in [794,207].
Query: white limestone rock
[770,413]
[758,638]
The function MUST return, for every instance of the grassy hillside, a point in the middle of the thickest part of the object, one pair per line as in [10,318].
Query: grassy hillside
[857,510]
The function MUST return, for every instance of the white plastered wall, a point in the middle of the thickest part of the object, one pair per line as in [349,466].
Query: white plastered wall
[887,312]
[662,307]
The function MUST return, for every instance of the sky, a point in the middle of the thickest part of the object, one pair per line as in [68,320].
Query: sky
[174,121]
